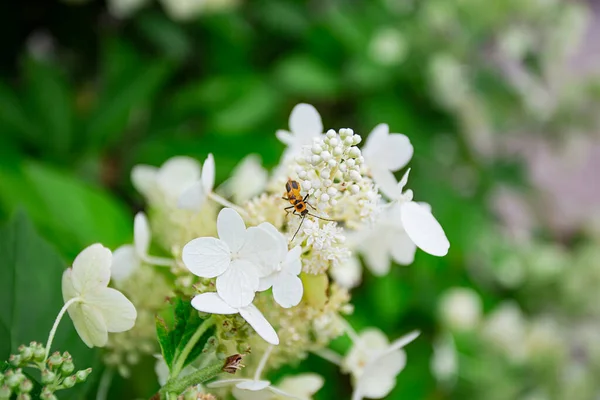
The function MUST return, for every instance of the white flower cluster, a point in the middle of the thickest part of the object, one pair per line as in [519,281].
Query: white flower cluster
[285,275]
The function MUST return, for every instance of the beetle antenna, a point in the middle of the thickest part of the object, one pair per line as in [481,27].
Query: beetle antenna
[299,226]
[324,219]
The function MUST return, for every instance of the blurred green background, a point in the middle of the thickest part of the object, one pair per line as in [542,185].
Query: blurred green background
[499,99]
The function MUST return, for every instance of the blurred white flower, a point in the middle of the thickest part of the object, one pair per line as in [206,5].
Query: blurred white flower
[128,258]
[305,124]
[444,362]
[248,179]
[388,46]
[374,363]
[417,220]
[347,274]
[238,259]
[196,194]
[287,287]
[183,10]
[460,309]
[167,183]
[505,328]
[125,8]
[300,387]
[96,309]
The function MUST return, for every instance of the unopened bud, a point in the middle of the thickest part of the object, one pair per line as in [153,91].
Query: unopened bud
[211,343]
[5,392]
[14,360]
[47,395]
[244,348]
[55,360]
[26,353]
[48,376]
[23,396]
[13,380]
[39,353]
[70,381]
[67,367]
[83,374]
[221,352]
[26,386]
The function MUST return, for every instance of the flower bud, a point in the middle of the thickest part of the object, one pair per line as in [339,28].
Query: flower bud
[67,367]
[221,352]
[5,392]
[47,394]
[26,353]
[48,377]
[69,381]
[55,360]
[23,396]
[13,380]
[39,353]
[83,374]
[210,345]
[26,386]
[14,360]
[243,348]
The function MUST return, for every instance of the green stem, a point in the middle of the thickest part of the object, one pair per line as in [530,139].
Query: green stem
[180,362]
[177,386]
[226,203]
[62,312]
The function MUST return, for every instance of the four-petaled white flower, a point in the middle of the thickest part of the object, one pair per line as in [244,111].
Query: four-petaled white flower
[167,183]
[287,287]
[417,220]
[374,363]
[238,259]
[128,258]
[347,274]
[214,304]
[302,387]
[196,194]
[385,153]
[305,124]
[95,308]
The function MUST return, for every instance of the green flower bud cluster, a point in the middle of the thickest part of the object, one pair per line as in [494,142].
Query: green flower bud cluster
[57,372]
[233,334]
[196,393]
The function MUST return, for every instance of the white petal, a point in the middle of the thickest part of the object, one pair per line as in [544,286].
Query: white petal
[238,284]
[379,377]
[141,234]
[404,180]
[402,249]
[424,230]
[398,151]
[225,382]
[143,178]
[212,303]
[386,182]
[284,137]
[241,394]
[207,257]
[254,317]
[91,268]
[253,385]
[278,236]
[262,249]
[288,290]
[177,174]
[348,274]
[302,385]
[125,262]
[89,324]
[231,229]
[267,281]
[305,121]
[404,340]
[118,312]
[292,264]
[248,179]
[193,197]
[68,290]
[208,173]
[375,250]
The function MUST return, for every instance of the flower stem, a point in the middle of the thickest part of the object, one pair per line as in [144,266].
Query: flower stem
[262,363]
[159,261]
[189,346]
[226,203]
[61,313]
[176,386]
[104,384]
[329,355]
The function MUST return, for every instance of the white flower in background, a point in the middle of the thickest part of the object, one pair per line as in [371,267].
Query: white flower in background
[347,274]
[183,10]
[302,386]
[460,309]
[248,180]
[238,259]
[196,194]
[417,220]
[388,46]
[162,370]
[385,153]
[374,363]
[505,328]
[125,8]
[287,287]
[167,183]
[96,309]
[444,362]
[214,304]
[305,124]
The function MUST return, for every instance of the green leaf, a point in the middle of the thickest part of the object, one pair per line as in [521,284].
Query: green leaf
[50,100]
[176,326]
[73,213]
[306,76]
[168,36]
[30,285]
[14,120]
